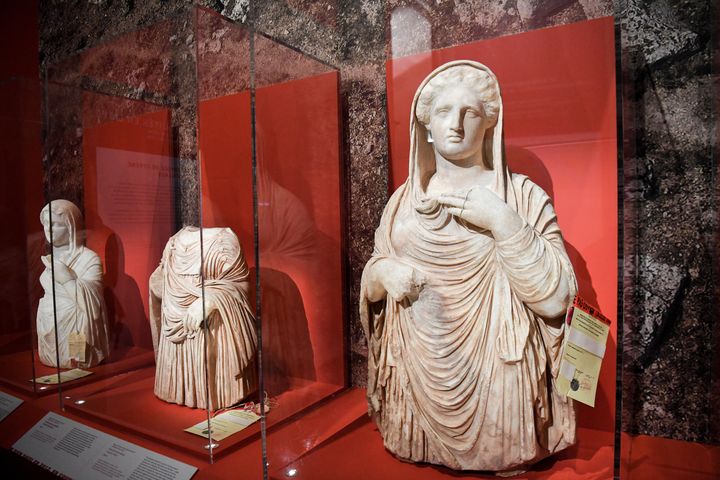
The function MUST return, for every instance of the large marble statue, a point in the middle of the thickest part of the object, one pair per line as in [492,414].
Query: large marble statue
[463,299]
[180,335]
[82,336]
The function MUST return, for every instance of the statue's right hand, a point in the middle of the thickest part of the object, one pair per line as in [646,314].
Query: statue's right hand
[194,316]
[400,279]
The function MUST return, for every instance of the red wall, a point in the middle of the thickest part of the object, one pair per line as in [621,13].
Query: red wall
[129,208]
[21,188]
[558,87]
[299,216]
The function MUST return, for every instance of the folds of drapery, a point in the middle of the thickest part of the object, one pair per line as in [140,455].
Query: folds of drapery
[461,376]
[229,334]
[80,308]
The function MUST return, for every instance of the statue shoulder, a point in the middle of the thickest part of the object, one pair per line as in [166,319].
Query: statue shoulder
[522,183]
[89,256]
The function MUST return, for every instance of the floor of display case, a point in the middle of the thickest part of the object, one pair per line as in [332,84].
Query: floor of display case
[337,440]
[18,371]
[592,459]
[663,458]
[128,402]
[355,450]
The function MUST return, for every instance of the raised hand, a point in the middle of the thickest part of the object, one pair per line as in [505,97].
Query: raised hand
[481,207]
[62,273]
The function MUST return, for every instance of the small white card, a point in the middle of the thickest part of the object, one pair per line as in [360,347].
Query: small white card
[225,424]
[65,376]
[8,404]
[74,450]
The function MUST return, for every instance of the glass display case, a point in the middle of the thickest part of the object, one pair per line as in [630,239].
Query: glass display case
[114,148]
[202,201]
[23,242]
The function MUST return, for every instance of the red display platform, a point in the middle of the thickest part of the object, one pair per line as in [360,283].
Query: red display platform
[356,451]
[662,458]
[19,369]
[337,440]
[127,402]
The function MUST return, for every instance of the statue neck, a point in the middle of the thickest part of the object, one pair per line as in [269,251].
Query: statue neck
[459,174]
[61,251]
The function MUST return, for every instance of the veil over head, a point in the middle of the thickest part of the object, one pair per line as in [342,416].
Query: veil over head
[72,218]
[422,155]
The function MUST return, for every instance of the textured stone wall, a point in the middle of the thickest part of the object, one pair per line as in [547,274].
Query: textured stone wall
[670,123]
[669,87]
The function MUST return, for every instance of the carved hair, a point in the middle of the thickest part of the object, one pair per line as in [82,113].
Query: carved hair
[475,79]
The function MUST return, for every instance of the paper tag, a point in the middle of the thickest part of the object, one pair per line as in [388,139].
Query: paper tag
[77,346]
[583,351]
[225,424]
[66,376]
[74,450]
[8,404]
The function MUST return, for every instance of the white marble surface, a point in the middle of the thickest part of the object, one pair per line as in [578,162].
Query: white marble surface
[186,318]
[462,300]
[79,302]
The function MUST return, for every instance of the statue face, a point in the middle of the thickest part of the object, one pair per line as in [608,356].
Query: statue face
[60,231]
[456,123]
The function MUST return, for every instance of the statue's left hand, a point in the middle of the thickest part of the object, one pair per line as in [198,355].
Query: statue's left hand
[483,208]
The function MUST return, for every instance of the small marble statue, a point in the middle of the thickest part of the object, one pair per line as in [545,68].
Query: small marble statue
[82,336]
[463,299]
[192,337]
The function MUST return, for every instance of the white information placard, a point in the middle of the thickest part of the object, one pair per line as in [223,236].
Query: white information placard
[8,404]
[77,451]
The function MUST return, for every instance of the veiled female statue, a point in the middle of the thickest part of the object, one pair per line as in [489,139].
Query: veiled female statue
[463,299]
[82,338]
[192,338]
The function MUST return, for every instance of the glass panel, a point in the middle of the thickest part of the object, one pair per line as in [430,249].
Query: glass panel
[118,174]
[229,259]
[558,86]
[300,238]
[22,243]
[670,370]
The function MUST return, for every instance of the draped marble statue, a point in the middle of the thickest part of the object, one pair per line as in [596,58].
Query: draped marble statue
[82,338]
[183,328]
[463,299]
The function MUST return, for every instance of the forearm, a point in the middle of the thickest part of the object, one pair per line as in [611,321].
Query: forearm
[506,223]
[374,288]
[534,267]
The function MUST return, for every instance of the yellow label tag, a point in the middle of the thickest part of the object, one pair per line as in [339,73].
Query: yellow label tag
[77,346]
[66,376]
[225,424]
[583,352]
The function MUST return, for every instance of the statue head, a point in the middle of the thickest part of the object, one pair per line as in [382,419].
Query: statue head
[456,107]
[66,221]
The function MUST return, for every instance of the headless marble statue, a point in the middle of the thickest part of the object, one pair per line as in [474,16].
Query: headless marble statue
[181,332]
[463,299]
[82,337]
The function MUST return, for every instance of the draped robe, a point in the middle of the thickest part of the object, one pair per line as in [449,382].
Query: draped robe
[230,335]
[465,375]
[79,305]
[80,309]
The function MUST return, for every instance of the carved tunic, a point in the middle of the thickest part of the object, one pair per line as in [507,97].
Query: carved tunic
[464,376]
[80,309]
[230,335]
